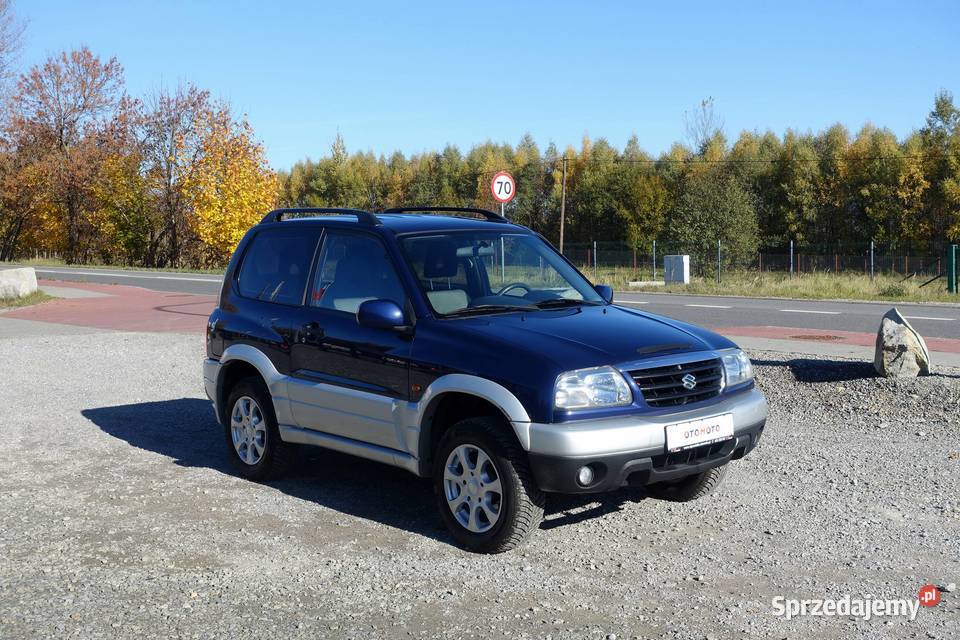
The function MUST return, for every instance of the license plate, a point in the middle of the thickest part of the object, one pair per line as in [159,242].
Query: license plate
[684,435]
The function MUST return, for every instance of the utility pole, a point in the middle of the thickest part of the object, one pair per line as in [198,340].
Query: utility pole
[654,259]
[594,260]
[563,201]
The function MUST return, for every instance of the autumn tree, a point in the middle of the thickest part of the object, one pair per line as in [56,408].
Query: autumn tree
[792,191]
[712,208]
[834,222]
[941,145]
[59,116]
[11,39]
[702,124]
[642,205]
[173,124]
[122,217]
[231,184]
[754,160]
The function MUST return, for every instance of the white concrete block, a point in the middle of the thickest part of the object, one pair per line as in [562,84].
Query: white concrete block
[676,269]
[17,283]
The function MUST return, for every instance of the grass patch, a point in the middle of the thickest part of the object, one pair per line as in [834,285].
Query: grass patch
[34,298]
[815,286]
[50,262]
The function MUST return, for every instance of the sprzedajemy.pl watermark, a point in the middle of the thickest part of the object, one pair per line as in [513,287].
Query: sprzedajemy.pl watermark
[863,608]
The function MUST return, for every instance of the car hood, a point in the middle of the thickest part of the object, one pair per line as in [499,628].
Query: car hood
[592,335]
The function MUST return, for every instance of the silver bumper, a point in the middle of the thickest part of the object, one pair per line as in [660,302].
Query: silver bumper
[637,432]
[211,371]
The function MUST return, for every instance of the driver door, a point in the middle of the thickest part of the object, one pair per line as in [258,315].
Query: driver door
[346,377]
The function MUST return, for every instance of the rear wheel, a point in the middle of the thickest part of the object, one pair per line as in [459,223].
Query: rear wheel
[485,490]
[689,488]
[250,428]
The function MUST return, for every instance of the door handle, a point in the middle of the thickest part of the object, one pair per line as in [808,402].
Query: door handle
[311,332]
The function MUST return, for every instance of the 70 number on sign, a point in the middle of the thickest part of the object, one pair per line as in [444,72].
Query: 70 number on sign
[503,187]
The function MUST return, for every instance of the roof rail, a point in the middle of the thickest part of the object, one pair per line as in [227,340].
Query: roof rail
[277,215]
[489,215]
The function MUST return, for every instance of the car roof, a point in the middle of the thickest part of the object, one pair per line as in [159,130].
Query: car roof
[406,222]
[411,222]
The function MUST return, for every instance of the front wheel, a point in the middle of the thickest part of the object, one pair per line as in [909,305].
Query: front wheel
[485,490]
[689,488]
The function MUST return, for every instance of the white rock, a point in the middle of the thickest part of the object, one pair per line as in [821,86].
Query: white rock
[17,283]
[900,351]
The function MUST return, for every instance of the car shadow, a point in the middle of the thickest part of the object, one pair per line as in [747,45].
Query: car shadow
[817,370]
[185,431]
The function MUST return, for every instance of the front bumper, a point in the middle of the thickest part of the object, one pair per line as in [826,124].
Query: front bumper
[632,450]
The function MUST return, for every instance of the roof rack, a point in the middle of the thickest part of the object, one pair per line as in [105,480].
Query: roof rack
[277,215]
[489,215]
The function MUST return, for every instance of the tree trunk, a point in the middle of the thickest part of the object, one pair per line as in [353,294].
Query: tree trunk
[9,246]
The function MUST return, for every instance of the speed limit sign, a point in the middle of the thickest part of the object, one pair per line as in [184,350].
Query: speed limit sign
[503,187]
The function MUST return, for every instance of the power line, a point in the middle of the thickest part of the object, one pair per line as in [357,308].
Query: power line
[739,160]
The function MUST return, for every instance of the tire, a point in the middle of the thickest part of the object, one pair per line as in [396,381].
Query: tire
[257,453]
[471,456]
[689,488]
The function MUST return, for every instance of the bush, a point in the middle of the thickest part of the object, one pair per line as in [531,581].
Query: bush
[894,290]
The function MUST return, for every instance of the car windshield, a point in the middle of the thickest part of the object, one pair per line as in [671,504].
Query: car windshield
[468,273]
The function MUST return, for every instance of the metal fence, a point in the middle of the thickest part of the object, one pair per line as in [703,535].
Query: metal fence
[853,260]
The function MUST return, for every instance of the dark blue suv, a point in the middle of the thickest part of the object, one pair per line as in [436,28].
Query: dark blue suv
[464,348]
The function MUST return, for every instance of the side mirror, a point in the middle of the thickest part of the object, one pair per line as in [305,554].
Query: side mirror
[380,314]
[605,291]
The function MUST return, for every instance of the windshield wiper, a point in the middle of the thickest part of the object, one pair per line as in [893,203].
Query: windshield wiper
[488,308]
[556,303]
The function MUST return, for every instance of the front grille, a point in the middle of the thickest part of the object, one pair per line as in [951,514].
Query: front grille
[663,386]
[694,455]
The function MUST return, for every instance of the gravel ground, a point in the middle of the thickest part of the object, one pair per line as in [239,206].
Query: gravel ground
[121,519]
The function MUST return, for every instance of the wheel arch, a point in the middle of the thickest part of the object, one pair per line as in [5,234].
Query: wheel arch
[455,397]
[242,361]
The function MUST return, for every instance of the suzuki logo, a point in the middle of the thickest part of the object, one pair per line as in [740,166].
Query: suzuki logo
[689,381]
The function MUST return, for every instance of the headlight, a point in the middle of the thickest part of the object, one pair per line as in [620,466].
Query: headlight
[737,367]
[591,388]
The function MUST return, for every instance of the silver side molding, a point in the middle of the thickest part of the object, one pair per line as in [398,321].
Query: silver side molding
[357,448]
[368,413]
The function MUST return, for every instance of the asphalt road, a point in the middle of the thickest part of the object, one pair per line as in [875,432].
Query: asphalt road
[940,321]
[171,281]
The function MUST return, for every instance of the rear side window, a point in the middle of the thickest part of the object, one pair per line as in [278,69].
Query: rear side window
[276,266]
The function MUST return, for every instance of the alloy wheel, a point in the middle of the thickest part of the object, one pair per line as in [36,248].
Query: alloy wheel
[472,488]
[248,430]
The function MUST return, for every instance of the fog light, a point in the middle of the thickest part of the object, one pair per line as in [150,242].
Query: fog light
[585,476]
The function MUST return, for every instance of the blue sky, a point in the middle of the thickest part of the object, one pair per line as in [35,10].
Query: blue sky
[416,76]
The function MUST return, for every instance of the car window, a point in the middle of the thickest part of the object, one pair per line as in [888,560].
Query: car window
[435,270]
[516,259]
[353,269]
[485,270]
[276,266]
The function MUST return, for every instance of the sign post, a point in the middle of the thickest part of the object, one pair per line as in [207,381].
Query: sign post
[952,269]
[503,188]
